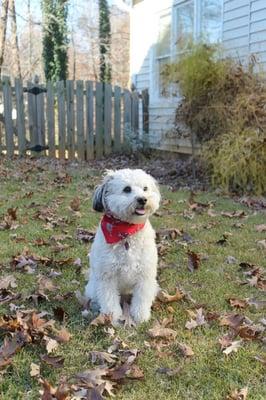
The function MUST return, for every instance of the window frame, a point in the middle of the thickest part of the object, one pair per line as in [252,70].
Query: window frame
[156,98]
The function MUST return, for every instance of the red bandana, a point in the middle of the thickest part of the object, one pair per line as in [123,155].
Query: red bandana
[115,230]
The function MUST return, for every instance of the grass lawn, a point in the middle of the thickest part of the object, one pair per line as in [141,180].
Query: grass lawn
[42,192]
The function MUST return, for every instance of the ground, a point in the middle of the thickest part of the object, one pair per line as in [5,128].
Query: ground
[53,201]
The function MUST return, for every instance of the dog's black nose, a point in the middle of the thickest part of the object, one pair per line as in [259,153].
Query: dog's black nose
[142,201]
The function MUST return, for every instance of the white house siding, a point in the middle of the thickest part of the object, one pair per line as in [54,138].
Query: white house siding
[243,33]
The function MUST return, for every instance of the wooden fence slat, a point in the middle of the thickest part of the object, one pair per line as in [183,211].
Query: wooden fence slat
[80,121]
[127,118]
[117,119]
[145,117]
[50,119]
[61,118]
[135,112]
[40,117]
[20,117]
[107,119]
[30,114]
[99,120]
[7,94]
[70,119]
[89,121]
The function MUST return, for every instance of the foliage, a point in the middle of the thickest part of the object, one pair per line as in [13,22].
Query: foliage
[237,160]
[224,102]
[105,41]
[55,39]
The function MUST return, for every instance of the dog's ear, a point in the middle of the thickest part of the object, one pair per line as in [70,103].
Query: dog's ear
[98,196]
[97,201]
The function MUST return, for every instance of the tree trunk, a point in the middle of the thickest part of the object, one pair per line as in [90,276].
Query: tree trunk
[3,23]
[14,32]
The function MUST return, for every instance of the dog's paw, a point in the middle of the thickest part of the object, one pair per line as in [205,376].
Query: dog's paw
[140,314]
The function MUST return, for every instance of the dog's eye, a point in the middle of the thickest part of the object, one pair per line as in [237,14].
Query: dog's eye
[127,189]
[145,188]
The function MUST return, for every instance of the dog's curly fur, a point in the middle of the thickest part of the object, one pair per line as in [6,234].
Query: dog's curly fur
[118,269]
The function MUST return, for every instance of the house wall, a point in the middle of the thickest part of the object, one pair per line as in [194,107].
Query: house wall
[243,33]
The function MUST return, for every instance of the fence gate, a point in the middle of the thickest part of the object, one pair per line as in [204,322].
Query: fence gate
[71,119]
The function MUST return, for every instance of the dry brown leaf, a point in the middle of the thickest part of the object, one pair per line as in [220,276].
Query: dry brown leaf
[8,281]
[54,361]
[34,370]
[164,297]
[46,284]
[185,350]
[75,204]
[238,394]
[233,347]
[62,335]
[160,331]
[234,214]
[193,261]
[262,244]
[102,357]
[238,303]
[232,320]
[260,228]
[261,359]
[51,344]
[198,320]
[102,319]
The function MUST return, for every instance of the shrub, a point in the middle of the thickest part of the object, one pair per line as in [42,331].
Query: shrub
[224,105]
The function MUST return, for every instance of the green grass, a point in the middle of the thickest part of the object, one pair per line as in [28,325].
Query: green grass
[209,374]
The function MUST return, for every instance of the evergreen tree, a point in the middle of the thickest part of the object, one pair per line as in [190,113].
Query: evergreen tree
[105,41]
[55,39]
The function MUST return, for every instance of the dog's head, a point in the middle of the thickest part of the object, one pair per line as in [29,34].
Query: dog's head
[128,194]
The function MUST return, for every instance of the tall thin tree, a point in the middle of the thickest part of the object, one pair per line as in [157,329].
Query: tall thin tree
[55,39]
[3,24]
[15,48]
[105,41]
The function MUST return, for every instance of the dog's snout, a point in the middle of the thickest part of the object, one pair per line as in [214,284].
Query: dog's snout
[142,201]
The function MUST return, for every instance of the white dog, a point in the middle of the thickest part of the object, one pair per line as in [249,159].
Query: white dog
[123,257]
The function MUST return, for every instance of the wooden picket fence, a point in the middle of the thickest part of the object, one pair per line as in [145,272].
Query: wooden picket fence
[71,119]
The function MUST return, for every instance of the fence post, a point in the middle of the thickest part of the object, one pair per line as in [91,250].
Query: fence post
[145,116]
[99,120]
[107,119]
[50,119]
[7,94]
[127,119]
[20,117]
[70,119]
[61,118]
[80,121]
[117,119]
[89,121]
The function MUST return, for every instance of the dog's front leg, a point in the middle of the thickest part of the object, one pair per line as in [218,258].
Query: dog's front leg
[143,295]
[109,299]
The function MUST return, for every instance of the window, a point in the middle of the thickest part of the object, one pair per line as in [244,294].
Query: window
[189,20]
[163,52]
[211,18]
[184,26]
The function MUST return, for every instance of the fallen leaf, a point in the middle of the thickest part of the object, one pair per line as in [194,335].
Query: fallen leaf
[84,235]
[54,361]
[238,303]
[258,304]
[160,331]
[234,214]
[231,260]
[193,261]
[51,393]
[46,284]
[232,320]
[102,319]
[234,346]
[8,281]
[164,297]
[51,344]
[238,394]
[34,370]
[198,320]
[185,350]
[75,204]
[260,228]
[261,359]
[262,244]
[102,357]
[167,234]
